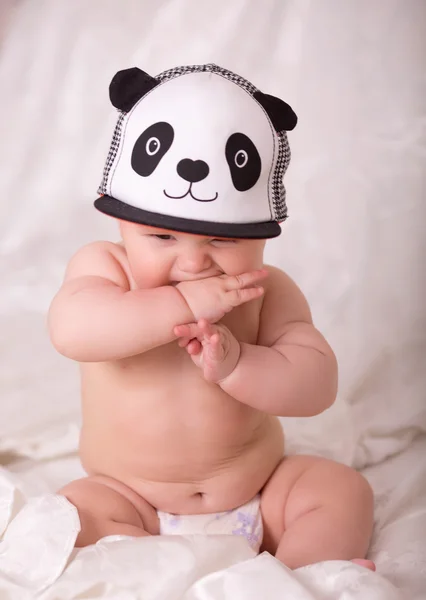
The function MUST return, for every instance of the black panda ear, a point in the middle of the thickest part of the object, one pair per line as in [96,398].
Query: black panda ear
[128,86]
[281,114]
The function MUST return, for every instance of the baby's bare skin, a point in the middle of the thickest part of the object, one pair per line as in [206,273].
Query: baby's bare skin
[177,440]
[184,370]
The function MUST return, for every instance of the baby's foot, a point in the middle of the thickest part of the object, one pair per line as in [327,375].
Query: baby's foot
[364,562]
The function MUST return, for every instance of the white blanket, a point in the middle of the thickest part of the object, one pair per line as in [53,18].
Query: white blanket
[354,72]
[36,554]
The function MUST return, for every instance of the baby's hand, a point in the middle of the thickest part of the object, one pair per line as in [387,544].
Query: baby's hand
[213,297]
[213,348]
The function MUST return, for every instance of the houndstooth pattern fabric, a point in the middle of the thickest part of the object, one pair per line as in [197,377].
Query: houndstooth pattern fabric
[115,145]
[278,190]
[210,68]
[278,193]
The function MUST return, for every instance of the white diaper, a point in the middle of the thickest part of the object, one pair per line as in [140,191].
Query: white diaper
[245,520]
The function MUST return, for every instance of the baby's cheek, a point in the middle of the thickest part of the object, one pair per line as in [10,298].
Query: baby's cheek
[148,276]
[244,264]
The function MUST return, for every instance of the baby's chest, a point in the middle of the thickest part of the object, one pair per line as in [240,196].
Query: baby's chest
[244,322]
[165,369]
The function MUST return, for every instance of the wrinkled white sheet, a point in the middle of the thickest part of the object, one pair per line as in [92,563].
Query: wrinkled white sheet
[354,72]
[37,560]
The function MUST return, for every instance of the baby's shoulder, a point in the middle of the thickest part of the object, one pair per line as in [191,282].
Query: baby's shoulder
[283,303]
[279,283]
[100,259]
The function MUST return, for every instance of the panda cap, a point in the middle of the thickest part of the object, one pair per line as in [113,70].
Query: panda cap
[197,149]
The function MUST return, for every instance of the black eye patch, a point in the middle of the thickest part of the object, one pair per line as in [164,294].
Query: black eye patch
[243,160]
[150,147]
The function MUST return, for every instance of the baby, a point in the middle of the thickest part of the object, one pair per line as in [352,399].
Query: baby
[190,347]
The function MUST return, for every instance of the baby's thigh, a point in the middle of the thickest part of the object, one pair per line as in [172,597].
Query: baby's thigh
[301,484]
[107,507]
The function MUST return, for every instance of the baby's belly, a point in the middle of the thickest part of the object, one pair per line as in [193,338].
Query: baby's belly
[213,488]
[185,452]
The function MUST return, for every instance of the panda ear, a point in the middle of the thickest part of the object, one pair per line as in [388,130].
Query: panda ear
[281,114]
[128,86]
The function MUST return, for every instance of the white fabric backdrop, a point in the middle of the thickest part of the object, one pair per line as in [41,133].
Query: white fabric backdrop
[354,72]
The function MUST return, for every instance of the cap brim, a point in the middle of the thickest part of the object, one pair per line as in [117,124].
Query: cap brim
[120,210]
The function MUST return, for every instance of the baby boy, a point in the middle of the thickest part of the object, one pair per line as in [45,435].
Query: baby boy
[189,346]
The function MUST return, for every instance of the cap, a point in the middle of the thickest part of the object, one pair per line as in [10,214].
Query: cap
[197,149]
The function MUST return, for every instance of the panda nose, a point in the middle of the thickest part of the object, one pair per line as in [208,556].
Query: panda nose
[192,170]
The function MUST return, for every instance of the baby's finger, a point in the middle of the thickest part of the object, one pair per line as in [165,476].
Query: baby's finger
[238,282]
[183,342]
[207,328]
[194,347]
[237,297]
[215,349]
[215,342]
[189,330]
[179,330]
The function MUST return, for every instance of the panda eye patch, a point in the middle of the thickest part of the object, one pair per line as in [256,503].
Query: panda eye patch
[150,147]
[243,161]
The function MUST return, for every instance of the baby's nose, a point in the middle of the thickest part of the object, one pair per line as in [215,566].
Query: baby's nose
[194,261]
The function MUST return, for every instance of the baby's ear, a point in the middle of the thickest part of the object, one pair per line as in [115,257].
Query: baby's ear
[128,86]
[281,114]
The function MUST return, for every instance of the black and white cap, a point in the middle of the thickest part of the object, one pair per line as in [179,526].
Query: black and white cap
[197,149]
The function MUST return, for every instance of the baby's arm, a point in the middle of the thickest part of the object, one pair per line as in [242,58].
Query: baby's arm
[292,371]
[95,317]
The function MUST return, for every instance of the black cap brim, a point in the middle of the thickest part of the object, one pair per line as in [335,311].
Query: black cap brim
[120,210]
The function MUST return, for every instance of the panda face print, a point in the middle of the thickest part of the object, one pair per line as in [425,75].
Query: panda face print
[192,171]
[240,153]
[197,147]
[243,161]
[150,147]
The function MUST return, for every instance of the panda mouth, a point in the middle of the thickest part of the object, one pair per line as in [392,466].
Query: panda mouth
[189,191]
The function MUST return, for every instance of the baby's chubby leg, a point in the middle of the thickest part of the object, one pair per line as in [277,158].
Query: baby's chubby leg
[108,507]
[315,509]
